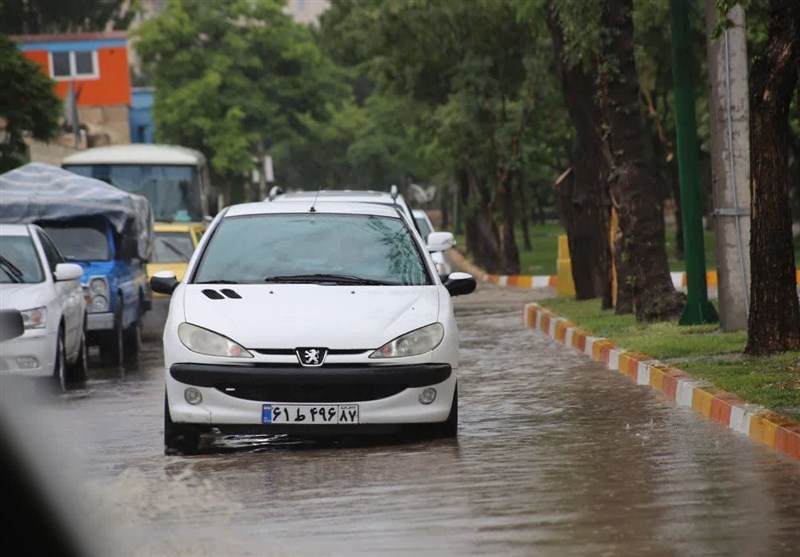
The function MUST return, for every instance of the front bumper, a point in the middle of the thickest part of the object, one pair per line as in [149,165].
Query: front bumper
[34,344]
[235,395]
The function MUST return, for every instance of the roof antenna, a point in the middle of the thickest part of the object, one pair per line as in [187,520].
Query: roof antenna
[313,210]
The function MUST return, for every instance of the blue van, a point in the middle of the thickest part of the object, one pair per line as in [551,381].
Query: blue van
[106,231]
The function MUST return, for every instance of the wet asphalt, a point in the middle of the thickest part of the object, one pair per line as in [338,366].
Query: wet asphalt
[555,456]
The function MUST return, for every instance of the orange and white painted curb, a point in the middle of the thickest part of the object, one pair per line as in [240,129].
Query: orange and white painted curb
[524,281]
[758,423]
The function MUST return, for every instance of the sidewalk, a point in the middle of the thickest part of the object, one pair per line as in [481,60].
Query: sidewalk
[773,429]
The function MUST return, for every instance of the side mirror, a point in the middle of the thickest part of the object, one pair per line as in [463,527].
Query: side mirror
[459,284]
[128,248]
[68,271]
[164,282]
[11,325]
[440,241]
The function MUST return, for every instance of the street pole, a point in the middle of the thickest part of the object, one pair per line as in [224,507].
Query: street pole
[729,105]
[698,309]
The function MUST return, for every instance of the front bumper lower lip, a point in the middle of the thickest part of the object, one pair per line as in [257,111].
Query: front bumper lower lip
[210,375]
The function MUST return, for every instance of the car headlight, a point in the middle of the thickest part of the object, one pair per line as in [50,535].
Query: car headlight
[209,343]
[98,303]
[35,318]
[412,344]
[98,286]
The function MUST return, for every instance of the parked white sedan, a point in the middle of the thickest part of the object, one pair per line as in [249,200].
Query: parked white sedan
[36,281]
[307,318]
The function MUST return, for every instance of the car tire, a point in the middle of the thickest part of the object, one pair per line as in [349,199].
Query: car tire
[179,439]
[60,365]
[112,348]
[78,371]
[132,342]
[449,428]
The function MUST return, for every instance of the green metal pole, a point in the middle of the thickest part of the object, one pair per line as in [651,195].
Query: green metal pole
[698,309]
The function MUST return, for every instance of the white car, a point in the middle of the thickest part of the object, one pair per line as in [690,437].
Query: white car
[321,318]
[36,281]
[425,228]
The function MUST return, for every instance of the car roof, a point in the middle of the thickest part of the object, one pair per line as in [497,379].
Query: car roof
[136,154]
[9,229]
[303,206]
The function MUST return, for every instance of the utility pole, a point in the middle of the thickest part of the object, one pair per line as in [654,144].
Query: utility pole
[730,164]
[698,309]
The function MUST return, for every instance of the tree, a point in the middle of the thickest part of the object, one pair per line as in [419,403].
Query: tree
[465,65]
[774,319]
[235,79]
[638,205]
[28,105]
[584,196]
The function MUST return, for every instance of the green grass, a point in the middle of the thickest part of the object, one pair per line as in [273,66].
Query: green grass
[702,351]
[541,260]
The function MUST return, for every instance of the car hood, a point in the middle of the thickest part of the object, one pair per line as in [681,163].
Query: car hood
[283,316]
[24,296]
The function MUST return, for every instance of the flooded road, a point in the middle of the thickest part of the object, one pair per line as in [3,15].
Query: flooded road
[555,456]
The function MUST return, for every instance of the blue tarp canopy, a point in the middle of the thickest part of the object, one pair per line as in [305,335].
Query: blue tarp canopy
[41,192]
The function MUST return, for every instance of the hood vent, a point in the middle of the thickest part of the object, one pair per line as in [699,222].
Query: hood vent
[213,294]
[231,294]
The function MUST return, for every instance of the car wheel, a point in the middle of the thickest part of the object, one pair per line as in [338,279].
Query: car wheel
[179,439]
[449,429]
[132,342]
[112,346]
[60,365]
[78,371]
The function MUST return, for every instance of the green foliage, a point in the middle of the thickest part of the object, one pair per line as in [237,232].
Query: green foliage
[28,104]
[234,77]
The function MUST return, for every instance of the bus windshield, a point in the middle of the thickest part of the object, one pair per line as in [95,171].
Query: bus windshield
[172,190]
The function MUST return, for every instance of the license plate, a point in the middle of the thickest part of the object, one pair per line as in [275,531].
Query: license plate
[318,414]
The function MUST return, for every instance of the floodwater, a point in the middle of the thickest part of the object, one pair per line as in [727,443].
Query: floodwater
[555,456]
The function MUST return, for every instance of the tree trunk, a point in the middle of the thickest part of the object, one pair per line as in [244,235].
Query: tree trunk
[583,197]
[483,236]
[510,251]
[524,217]
[774,320]
[640,215]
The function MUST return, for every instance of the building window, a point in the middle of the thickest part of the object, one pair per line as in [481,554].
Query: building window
[74,65]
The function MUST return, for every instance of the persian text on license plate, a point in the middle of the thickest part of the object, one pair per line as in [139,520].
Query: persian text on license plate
[318,414]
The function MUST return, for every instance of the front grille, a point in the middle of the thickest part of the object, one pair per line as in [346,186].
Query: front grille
[310,393]
[291,351]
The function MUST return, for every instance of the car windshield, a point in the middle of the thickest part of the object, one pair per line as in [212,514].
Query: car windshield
[323,248]
[18,260]
[173,247]
[80,243]
[173,191]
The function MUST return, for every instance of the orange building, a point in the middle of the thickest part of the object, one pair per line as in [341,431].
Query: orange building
[96,64]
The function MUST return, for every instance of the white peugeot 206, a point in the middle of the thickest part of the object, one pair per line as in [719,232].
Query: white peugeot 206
[313,319]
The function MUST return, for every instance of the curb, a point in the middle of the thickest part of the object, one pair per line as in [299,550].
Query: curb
[760,424]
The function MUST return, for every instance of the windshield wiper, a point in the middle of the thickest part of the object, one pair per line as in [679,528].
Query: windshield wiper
[11,270]
[219,281]
[323,277]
